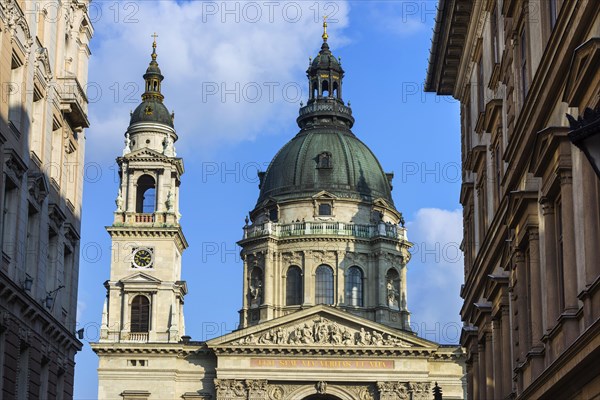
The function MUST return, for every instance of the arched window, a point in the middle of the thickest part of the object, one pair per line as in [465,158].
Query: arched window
[140,314]
[293,287]
[335,89]
[325,88]
[354,287]
[324,285]
[393,288]
[146,195]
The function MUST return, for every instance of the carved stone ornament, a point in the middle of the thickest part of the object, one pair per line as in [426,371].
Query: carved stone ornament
[404,390]
[322,331]
[37,187]
[231,389]
[14,164]
[321,387]
[294,258]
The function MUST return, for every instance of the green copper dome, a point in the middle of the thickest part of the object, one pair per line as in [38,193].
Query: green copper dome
[325,155]
[151,110]
[330,160]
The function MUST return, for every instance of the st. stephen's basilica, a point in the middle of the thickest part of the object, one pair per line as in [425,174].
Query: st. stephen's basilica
[325,311]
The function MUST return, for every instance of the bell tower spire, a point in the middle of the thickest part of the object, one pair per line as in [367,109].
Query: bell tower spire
[145,290]
[153,77]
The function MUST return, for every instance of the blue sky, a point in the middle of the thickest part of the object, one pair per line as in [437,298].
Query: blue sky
[233,72]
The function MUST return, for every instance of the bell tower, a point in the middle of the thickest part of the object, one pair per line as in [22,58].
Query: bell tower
[145,292]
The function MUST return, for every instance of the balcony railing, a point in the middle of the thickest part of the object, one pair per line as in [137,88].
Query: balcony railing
[325,228]
[144,218]
[73,101]
[138,337]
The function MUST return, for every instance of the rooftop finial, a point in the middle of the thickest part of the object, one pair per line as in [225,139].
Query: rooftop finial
[325,36]
[154,46]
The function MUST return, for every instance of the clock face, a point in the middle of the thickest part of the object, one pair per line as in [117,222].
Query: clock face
[142,258]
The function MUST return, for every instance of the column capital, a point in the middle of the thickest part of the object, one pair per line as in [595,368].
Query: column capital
[533,233]
[547,206]
[565,177]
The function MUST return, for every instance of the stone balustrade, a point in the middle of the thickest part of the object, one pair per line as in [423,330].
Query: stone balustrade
[325,228]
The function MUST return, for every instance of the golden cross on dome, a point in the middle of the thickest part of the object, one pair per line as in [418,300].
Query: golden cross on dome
[325,36]
[154,46]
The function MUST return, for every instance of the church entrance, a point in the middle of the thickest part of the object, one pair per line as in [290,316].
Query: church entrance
[321,397]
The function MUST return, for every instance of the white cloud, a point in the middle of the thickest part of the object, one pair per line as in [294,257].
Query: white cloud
[251,48]
[435,273]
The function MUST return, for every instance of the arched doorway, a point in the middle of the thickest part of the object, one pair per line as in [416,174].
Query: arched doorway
[321,397]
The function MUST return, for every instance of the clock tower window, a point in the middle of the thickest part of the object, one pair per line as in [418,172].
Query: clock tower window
[146,195]
[140,314]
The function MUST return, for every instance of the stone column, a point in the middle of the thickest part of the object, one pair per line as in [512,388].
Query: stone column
[244,316]
[469,368]
[591,229]
[475,377]
[551,292]
[268,282]
[497,346]
[308,275]
[569,269]
[159,187]
[568,231]
[489,365]
[125,321]
[537,330]
[482,370]
[506,353]
[521,291]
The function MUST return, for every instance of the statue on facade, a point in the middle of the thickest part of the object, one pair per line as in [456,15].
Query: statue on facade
[169,147]
[169,202]
[392,295]
[256,292]
[119,202]
[127,148]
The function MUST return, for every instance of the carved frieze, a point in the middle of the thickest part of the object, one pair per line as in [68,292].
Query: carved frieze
[404,390]
[322,331]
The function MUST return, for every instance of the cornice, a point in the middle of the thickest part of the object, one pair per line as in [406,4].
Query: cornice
[149,232]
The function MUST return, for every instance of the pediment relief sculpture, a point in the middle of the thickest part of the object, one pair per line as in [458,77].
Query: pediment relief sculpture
[322,332]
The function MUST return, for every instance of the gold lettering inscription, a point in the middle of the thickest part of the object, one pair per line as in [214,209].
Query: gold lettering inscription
[318,363]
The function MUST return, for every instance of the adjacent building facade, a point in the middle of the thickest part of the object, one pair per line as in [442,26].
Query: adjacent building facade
[43,113]
[531,200]
[324,312]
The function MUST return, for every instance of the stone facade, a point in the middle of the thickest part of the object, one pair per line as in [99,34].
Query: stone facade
[43,113]
[325,311]
[530,199]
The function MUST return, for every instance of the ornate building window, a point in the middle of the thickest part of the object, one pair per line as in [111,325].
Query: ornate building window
[324,285]
[140,314]
[325,209]
[146,195]
[293,287]
[354,287]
